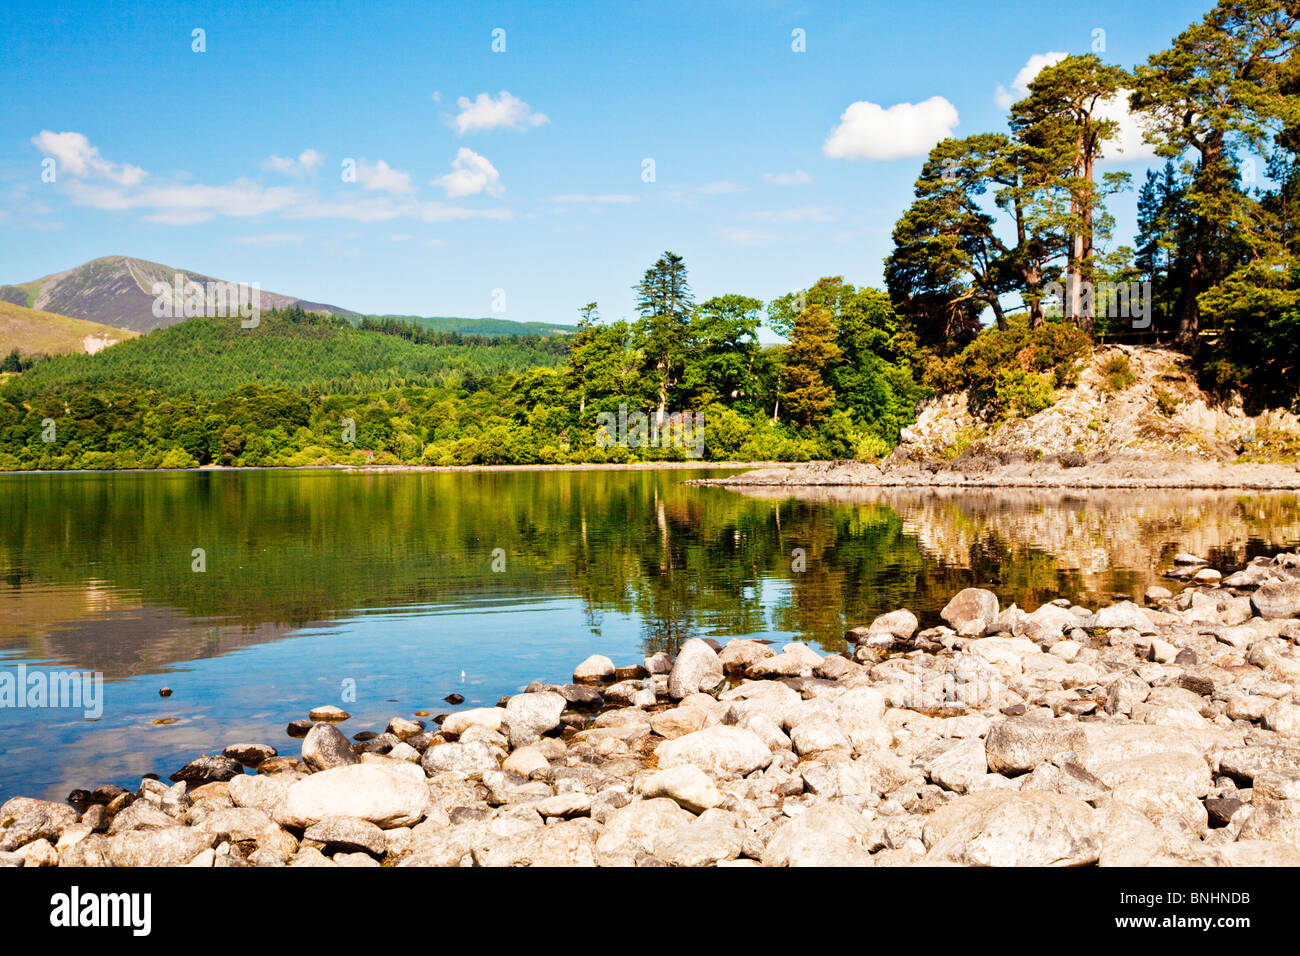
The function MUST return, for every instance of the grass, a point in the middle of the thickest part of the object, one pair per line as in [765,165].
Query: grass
[1118,372]
[34,332]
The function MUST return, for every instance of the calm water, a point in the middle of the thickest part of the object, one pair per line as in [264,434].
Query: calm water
[319,581]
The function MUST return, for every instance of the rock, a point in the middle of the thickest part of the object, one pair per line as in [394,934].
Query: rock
[325,747]
[685,784]
[696,669]
[529,716]
[236,824]
[403,728]
[261,792]
[1006,828]
[961,766]
[298,728]
[566,805]
[901,624]
[582,696]
[826,834]
[1277,599]
[1124,615]
[454,699]
[593,670]
[1019,744]
[472,759]
[526,760]
[565,844]
[173,846]
[488,717]
[250,755]
[680,721]
[207,769]
[738,655]
[392,795]
[713,837]
[716,750]
[348,835]
[659,663]
[633,829]
[328,712]
[972,612]
[1261,853]
[1157,595]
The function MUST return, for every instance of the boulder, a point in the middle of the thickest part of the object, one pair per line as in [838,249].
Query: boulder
[696,669]
[687,785]
[347,835]
[1007,828]
[972,612]
[325,747]
[593,670]
[529,716]
[1019,744]
[173,846]
[716,750]
[826,834]
[738,655]
[472,759]
[393,794]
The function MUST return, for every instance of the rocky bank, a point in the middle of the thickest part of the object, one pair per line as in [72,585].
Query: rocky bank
[1164,734]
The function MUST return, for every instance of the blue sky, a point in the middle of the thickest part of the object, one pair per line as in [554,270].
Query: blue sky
[230,162]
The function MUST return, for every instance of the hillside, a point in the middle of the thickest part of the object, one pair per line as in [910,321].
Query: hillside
[292,349]
[488,327]
[116,291]
[33,332]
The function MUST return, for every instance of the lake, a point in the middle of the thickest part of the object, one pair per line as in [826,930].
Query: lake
[406,587]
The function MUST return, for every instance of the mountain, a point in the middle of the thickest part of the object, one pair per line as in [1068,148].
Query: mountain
[33,332]
[292,349]
[117,291]
[488,327]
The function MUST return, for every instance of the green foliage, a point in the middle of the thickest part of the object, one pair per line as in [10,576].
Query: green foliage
[1118,372]
[1011,372]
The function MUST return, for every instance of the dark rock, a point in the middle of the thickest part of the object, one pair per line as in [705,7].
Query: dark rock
[1014,710]
[298,728]
[1186,658]
[1196,683]
[107,793]
[454,699]
[633,672]
[1222,809]
[164,692]
[364,736]
[250,755]
[208,769]
[80,800]
[459,815]
[282,764]
[582,695]
[381,744]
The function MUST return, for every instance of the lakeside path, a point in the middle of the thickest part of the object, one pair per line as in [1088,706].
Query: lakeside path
[1128,472]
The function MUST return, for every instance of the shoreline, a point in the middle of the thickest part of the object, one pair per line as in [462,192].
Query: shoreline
[397,469]
[1164,734]
[1128,473]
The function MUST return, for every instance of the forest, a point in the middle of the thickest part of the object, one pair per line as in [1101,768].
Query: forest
[986,289]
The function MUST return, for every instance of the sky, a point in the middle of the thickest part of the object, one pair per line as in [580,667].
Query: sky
[514,160]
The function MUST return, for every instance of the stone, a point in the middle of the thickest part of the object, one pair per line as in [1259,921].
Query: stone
[393,795]
[565,844]
[679,721]
[236,824]
[826,834]
[325,747]
[711,838]
[593,670]
[526,760]
[659,663]
[529,716]
[972,612]
[961,766]
[173,846]
[488,717]
[472,759]
[1007,828]
[348,835]
[141,815]
[1123,615]
[900,624]
[1277,599]
[715,750]
[738,654]
[687,785]
[404,728]
[206,769]
[696,669]
[250,755]
[1019,744]
[328,712]
[298,728]
[633,829]
[261,792]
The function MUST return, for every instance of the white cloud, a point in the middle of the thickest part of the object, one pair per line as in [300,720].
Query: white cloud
[503,112]
[470,175]
[1128,142]
[601,199]
[380,176]
[1020,85]
[741,236]
[307,160]
[869,131]
[73,155]
[796,178]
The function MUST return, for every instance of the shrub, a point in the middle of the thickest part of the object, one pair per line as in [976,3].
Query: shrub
[1167,402]
[1118,371]
[1023,394]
